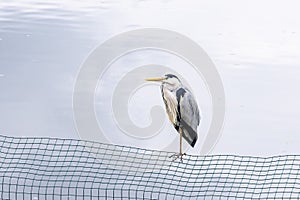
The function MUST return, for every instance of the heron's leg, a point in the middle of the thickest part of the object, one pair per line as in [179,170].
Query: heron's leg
[180,145]
[180,154]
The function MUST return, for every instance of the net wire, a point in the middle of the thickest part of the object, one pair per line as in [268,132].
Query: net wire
[52,168]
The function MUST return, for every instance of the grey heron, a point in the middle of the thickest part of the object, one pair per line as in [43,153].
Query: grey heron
[181,108]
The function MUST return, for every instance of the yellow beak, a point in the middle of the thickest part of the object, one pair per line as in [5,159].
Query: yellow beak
[155,79]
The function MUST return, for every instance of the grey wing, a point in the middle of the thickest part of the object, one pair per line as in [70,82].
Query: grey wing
[189,116]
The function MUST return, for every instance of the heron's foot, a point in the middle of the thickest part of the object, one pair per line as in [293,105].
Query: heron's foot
[177,156]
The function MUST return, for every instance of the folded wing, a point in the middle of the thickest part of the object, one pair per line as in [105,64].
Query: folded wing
[188,115]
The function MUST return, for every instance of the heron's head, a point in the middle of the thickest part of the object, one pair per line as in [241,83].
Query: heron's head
[169,80]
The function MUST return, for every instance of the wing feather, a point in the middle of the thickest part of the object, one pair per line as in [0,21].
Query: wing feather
[189,115]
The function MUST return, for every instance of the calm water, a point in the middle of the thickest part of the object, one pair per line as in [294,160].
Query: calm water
[43,45]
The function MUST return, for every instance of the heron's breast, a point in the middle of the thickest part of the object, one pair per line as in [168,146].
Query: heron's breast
[171,105]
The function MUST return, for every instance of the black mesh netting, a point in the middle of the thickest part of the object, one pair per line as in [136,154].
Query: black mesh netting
[49,168]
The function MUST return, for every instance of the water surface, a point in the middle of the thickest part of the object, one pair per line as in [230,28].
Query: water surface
[255,47]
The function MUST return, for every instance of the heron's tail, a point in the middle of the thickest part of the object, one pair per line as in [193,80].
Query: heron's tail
[194,142]
[189,134]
